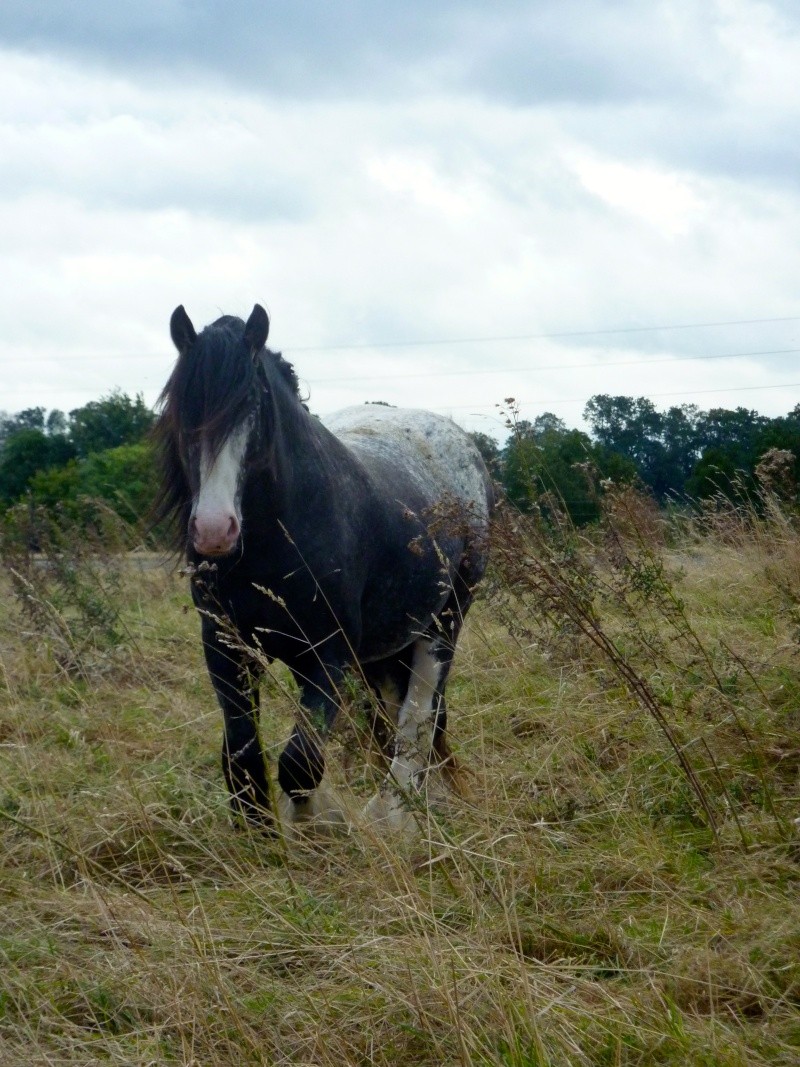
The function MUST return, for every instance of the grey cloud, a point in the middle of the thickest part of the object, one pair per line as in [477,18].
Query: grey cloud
[248,197]
[191,162]
[518,52]
[655,80]
[709,141]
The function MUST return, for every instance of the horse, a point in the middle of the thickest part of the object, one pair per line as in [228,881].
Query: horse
[351,543]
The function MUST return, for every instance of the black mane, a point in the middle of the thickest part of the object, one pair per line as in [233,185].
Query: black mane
[213,387]
[347,545]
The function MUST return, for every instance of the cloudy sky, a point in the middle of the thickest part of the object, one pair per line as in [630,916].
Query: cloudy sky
[441,205]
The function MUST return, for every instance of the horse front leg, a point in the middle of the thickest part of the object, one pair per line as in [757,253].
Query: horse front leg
[242,758]
[301,765]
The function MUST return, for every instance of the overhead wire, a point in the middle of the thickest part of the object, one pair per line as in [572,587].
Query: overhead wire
[353,346]
[540,403]
[528,369]
[343,347]
[551,366]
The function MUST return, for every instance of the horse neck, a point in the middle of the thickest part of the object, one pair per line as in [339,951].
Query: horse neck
[299,453]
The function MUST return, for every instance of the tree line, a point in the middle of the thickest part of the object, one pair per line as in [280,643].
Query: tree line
[99,452]
[683,454]
[103,451]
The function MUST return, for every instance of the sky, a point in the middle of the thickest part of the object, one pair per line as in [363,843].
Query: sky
[440,206]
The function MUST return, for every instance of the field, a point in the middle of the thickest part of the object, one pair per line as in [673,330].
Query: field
[618,885]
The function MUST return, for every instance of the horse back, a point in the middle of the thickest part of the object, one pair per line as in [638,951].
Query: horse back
[416,458]
[428,511]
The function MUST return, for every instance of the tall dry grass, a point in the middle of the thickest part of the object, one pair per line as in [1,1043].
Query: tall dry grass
[619,887]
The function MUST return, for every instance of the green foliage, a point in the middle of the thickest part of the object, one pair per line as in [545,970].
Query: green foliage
[24,453]
[109,422]
[29,419]
[124,478]
[686,451]
[489,449]
[101,452]
[57,486]
[548,466]
[718,472]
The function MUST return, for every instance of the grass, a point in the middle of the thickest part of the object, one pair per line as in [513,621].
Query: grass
[587,903]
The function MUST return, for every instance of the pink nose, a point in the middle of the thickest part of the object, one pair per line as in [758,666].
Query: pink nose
[214,535]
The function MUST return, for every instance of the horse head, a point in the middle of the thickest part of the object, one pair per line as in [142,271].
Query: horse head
[211,403]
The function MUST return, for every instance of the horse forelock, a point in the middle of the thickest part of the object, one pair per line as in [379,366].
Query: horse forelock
[214,386]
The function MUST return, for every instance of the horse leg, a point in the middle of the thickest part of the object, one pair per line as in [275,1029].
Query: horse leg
[242,759]
[421,740]
[448,625]
[301,765]
[420,717]
[388,678]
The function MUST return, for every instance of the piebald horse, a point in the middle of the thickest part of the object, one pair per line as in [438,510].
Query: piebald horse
[349,543]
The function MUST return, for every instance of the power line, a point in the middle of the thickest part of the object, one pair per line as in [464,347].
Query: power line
[438,342]
[341,347]
[536,368]
[549,366]
[539,403]
[550,403]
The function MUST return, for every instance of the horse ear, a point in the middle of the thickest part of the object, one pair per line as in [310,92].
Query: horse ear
[181,330]
[257,329]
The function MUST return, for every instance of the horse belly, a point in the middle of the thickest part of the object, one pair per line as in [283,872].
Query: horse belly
[401,602]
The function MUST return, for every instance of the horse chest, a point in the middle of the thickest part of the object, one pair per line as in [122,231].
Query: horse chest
[282,615]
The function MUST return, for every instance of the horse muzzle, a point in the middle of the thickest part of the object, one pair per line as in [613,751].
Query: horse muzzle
[215,535]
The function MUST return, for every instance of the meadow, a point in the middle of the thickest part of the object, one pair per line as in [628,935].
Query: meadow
[617,885]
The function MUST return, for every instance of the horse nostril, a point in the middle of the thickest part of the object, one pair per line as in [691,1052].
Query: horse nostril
[213,535]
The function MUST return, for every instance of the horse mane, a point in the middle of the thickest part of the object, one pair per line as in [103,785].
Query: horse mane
[212,388]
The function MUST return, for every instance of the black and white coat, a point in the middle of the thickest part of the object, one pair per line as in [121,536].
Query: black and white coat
[368,530]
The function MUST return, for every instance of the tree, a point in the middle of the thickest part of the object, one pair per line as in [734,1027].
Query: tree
[682,450]
[489,448]
[632,427]
[734,430]
[24,453]
[519,467]
[57,487]
[674,462]
[782,433]
[547,422]
[729,441]
[124,478]
[56,423]
[716,472]
[624,424]
[29,419]
[109,422]
[548,466]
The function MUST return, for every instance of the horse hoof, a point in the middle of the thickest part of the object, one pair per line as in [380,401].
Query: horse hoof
[387,811]
[319,813]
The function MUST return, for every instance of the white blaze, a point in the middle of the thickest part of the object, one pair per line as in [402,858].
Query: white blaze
[216,519]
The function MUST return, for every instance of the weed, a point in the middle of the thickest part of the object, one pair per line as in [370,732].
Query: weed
[575,909]
[67,581]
